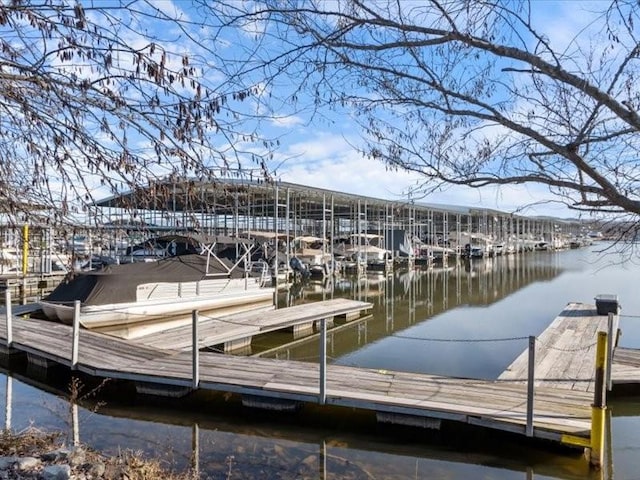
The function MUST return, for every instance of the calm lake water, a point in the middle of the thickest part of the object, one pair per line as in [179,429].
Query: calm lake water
[470,320]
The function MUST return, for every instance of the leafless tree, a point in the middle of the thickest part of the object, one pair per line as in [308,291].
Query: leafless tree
[96,98]
[472,92]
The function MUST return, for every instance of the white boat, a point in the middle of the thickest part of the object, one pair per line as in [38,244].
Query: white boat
[131,300]
[366,249]
[312,253]
[439,252]
[541,246]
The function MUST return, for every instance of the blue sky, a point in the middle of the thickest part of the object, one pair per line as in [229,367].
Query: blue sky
[320,150]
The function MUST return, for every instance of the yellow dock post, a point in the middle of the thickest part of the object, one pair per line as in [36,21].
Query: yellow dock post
[596,443]
[599,407]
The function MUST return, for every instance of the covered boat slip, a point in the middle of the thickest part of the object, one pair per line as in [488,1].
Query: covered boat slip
[242,203]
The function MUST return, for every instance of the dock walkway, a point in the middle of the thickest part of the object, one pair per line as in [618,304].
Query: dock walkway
[499,405]
[236,330]
[565,351]
[562,406]
[626,367]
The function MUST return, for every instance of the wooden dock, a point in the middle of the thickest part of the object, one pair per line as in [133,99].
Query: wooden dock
[493,404]
[566,350]
[626,367]
[565,353]
[561,409]
[235,331]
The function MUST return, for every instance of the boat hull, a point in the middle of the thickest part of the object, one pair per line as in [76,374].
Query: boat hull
[135,319]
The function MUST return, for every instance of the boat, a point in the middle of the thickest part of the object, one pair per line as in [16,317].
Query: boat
[365,249]
[311,253]
[136,299]
[541,246]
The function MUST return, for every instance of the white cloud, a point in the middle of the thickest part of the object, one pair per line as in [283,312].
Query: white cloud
[286,121]
[329,161]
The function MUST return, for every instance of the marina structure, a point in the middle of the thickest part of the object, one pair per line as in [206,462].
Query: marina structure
[238,205]
[350,232]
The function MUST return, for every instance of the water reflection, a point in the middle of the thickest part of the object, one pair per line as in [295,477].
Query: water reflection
[252,445]
[440,304]
[477,282]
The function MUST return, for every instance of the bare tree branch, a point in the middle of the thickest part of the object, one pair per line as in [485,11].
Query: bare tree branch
[475,93]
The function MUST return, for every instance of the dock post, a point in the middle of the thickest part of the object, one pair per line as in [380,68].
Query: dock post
[323,362]
[76,334]
[609,351]
[530,380]
[9,314]
[195,350]
[599,407]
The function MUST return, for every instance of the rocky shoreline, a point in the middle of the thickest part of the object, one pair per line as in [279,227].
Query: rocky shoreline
[35,455]
[60,464]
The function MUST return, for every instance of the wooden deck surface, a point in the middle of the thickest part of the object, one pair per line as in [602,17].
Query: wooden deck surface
[498,405]
[226,328]
[626,367]
[565,351]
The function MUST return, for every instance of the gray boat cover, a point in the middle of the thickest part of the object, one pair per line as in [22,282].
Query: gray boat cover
[118,283]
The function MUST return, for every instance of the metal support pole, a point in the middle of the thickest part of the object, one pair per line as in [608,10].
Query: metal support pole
[9,315]
[275,241]
[76,334]
[530,380]
[609,351]
[323,362]
[195,350]
[599,407]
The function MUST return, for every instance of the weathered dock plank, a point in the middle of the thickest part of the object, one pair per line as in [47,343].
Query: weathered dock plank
[626,367]
[562,397]
[229,328]
[565,351]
